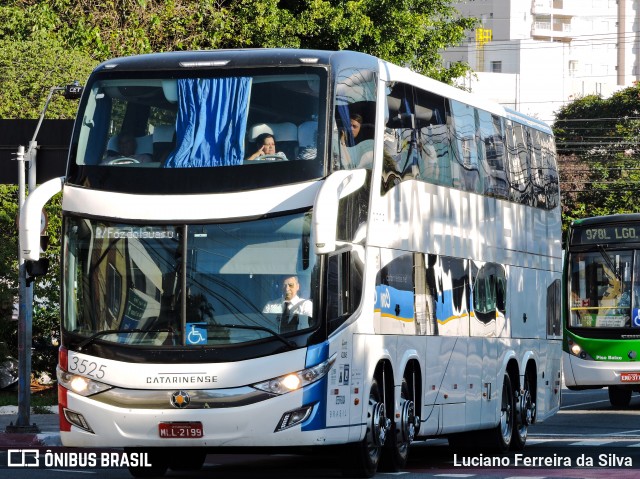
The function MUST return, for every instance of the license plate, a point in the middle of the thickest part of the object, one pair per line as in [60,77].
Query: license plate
[630,377]
[180,430]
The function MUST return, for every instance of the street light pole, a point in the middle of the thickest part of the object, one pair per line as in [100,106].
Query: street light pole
[25,285]
[25,317]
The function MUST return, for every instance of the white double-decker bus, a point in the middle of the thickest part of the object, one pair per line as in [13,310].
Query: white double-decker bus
[413,228]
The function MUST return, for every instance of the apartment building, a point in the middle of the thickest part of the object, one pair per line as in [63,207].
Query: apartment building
[536,55]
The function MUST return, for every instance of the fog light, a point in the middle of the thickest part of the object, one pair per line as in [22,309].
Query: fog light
[77,419]
[291,418]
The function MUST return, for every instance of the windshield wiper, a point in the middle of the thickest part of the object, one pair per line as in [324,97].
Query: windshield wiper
[95,336]
[286,341]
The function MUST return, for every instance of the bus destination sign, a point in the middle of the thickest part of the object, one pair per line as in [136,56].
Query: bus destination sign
[606,234]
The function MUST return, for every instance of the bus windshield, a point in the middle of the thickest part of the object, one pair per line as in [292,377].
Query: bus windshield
[177,285]
[604,289]
[265,120]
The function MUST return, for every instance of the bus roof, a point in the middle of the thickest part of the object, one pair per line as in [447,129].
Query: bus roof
[208,59]
[607,219]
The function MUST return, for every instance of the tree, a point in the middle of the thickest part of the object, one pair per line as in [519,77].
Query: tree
[599,157]
[411,32]
[34,60]
[8,268]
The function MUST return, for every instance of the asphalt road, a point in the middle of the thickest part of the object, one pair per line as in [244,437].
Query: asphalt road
[586,439]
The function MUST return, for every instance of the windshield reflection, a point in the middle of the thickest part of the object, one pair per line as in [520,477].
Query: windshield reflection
[604,289]
[202,121]
[189,285]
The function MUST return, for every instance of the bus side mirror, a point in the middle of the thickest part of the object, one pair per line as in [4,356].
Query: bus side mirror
[325,209]
[73,91]
[30,217]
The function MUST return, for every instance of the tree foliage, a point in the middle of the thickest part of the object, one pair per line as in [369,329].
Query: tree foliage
[599,159]
[410,33]
[45,322]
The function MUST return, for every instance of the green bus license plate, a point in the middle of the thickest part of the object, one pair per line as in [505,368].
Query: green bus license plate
[180,430]
[630,377]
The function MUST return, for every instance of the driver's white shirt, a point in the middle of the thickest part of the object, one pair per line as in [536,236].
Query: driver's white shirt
[302,307]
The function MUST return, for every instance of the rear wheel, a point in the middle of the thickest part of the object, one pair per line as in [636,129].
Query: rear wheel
[499,438]
[525,413]
[361,459]
[619,397]
[395,453]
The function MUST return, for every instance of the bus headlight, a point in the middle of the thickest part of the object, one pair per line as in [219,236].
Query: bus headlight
[293,381]
[80,384]
[577,350]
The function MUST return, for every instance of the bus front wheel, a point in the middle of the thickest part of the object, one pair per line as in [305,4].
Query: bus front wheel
[619,397]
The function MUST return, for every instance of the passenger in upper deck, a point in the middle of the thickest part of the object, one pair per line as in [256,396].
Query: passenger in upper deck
[356,152]
[355,121]
[267,150]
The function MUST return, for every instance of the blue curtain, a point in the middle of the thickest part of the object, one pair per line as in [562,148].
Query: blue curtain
[212,122]
[343,112]
[98,134]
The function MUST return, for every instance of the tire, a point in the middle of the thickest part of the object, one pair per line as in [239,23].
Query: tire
[498,439]
[619,397]
[187,459]
[524,415]
[395,452]
[361,459]
[158,458]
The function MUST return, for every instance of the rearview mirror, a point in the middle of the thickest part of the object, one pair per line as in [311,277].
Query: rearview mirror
[73,91]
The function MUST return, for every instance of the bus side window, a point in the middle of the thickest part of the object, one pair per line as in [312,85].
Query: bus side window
[398,147]
[469,151]
[518,164]
[355,107]
[491,153]
[538,173]
[344,287]
[434,143]
[554,301]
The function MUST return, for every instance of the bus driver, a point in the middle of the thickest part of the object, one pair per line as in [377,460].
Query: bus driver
[290,307]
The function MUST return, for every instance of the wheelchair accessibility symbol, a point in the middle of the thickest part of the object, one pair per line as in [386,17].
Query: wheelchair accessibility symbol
[196,333]
[636,317]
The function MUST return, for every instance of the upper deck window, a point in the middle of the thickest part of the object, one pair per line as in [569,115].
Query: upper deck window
[267,121]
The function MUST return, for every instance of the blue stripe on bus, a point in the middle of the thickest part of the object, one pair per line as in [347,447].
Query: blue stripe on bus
[317,354]
[317,392]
